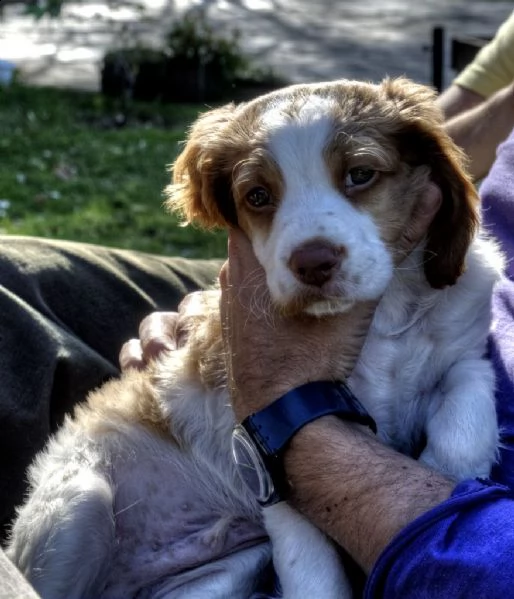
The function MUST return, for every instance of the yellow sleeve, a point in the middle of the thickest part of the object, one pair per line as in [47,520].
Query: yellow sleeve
[493,67]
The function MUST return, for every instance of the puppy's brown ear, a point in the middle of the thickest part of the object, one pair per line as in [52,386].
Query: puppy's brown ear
[201,187]
[456,223]
[423,140]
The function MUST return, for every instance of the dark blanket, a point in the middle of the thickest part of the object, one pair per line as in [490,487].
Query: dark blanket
[65,311]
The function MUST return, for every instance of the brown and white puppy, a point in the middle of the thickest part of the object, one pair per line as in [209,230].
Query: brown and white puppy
[137,494]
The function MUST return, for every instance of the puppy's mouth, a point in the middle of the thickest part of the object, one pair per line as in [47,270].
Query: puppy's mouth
[330,307]
[324,283]
[317,301]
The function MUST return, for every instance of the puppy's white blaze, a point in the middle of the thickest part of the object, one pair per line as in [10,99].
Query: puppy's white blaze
[313,209]
[297,135]
[366,268]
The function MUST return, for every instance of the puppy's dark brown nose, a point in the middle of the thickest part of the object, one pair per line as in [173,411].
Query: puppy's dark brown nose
[315,263]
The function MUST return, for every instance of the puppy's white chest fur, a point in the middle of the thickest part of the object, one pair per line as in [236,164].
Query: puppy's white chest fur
[424,361]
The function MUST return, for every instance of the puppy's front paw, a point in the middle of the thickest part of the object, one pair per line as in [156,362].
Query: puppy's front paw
[427,457]
[458,469]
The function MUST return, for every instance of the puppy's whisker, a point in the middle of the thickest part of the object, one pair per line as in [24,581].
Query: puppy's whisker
[262,306]
[254,278]
[413,266]
[129,507]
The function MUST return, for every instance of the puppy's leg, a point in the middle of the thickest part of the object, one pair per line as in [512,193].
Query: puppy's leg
[462,432]
[234,576]
[306,561]
[63,536]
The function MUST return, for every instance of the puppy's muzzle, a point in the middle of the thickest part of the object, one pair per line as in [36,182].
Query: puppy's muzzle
[315,263]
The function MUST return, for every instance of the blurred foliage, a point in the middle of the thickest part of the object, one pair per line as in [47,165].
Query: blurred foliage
[194,64]
[194,39]
[67,171]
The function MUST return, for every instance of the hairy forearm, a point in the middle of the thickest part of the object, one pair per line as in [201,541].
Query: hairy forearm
[479,130]
[359,491]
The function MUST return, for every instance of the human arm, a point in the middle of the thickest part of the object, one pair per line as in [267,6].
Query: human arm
[479,105]
[478,125]
[158,332]
[457,99]
[359,491]
[492,68]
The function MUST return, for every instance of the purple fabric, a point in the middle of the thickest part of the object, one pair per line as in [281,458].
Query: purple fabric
[464,548]
[497,193]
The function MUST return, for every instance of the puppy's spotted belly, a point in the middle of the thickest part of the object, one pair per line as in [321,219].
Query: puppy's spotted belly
[166,528]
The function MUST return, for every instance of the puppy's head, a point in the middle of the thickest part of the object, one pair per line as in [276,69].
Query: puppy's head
[324,179]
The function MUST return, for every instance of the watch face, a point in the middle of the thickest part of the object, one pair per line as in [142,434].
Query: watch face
[250,466]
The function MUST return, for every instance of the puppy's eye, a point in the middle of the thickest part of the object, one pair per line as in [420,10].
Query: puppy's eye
[360,176]
[258,197]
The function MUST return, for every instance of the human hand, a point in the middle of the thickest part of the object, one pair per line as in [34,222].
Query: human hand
[270,354]
[160,332]
[156,334]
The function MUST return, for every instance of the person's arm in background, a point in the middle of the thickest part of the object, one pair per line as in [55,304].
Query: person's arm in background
[479,129]
[479,105]
[456,99]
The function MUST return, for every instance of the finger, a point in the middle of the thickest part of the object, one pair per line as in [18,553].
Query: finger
[157,333]
[246,276]
[224,300]
[223,277]
[422,217]
[192,308]
[193,305]
[131,355]
[241,256]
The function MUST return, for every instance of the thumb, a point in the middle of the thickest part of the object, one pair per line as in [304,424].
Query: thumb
[422,216]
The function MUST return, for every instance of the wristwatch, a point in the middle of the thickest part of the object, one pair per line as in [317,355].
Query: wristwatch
[258,443]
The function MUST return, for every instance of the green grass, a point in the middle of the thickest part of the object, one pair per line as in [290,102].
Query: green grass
[65,174]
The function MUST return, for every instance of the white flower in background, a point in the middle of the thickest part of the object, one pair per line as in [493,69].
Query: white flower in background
[65,171]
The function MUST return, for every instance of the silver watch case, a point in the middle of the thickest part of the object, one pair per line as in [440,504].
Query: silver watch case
[252,468]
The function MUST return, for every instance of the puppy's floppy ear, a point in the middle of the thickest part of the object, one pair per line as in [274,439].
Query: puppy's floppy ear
[423,140]
[456,223]
[201,187]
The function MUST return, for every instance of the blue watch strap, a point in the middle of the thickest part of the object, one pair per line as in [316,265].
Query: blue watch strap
[274,426]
